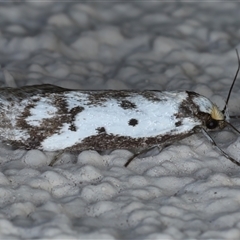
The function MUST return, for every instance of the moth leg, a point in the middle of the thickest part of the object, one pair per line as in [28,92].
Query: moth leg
[142,152]
[219,149]
[55,158]
[131,158]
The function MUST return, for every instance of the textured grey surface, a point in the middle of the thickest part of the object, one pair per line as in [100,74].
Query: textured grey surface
[187,191]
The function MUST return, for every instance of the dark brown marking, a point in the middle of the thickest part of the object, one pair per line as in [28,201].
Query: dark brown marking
[74,111]
[190,109]
[120,142]
[101,130]
[100,97]
[151,96]
[179,123]
[72,127]
[125,104]
[133,122]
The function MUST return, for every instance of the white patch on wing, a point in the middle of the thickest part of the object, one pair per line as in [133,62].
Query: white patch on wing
[204,104]
[43,110]
[154,118]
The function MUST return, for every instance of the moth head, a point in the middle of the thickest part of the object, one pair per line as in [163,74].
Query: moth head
[211,116]
[215,119]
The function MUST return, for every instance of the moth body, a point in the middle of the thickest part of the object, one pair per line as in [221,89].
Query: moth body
[51,118]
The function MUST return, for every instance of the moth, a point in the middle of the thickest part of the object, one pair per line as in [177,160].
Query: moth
[52,118]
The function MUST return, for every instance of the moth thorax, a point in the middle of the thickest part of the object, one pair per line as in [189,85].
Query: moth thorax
[216,114]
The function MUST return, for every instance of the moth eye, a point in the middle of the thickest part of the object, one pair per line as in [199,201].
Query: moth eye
[211,124]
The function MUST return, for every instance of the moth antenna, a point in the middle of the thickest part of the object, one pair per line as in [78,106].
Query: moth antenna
[230,90]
